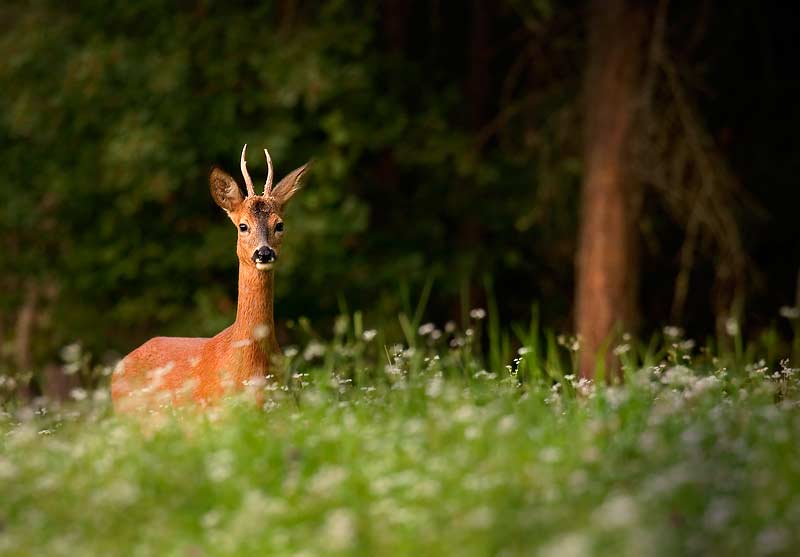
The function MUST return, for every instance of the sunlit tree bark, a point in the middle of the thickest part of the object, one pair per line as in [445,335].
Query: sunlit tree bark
[606,284]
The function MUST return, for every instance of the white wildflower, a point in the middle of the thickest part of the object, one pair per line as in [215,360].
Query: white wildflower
[340,325]
[7,469]
[122,493]
[616,396]
[789,312]
[622,349]
[434,387]
[550,454]
[668,481]
[702,385]
[211,519]
[425,488]
[255,383]
[219,465]
[585,387]
[464,414]
[78,394]
[573,544]
[313,350]
[719,513]
[393,370]
[678,376]
[772,540]
[397,349]
[477,313]
[260,331]
[339,529]
[578,480]
[686,345]
[506,424]
[479,518]
[571,343]
[71,352]
[326,480]
[692,436]
[617,511]
[369,334]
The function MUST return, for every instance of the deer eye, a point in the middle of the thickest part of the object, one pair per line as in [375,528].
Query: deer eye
[243,227]
[279,227]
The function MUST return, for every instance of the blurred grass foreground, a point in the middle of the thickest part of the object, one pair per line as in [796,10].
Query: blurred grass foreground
[424,449]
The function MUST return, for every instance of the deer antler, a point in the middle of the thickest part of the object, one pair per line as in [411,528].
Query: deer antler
[247,180]
[268,184]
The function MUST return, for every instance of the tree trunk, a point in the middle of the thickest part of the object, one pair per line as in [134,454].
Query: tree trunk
[22,342]
[57,384]
[477,91]
[606,266]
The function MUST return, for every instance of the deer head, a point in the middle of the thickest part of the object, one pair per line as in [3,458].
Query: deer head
[258,218]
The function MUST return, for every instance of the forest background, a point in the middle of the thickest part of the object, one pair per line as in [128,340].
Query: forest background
[505,152]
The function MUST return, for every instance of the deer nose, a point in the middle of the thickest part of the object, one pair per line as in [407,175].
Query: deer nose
[264,254]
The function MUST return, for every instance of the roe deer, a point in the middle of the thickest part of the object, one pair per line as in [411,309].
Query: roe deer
[169,370]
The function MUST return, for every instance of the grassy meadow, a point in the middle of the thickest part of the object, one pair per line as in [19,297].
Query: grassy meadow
[426,447]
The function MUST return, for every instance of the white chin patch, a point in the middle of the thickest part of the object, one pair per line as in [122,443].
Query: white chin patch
[264,266]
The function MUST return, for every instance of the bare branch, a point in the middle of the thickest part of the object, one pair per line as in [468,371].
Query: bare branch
[677,156]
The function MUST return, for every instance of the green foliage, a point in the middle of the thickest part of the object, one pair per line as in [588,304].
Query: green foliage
[423,450]
[111,117]
[110,130]
[437,159]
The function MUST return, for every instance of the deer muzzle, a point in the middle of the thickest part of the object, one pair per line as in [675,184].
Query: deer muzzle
[264,257]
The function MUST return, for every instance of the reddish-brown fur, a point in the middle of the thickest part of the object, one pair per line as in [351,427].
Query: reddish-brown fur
[173,371]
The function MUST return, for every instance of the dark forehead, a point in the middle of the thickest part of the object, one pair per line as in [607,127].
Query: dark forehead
[261,207]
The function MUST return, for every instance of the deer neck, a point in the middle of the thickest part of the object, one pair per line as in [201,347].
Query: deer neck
[254,316]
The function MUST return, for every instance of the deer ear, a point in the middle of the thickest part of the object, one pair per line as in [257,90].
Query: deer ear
[290,185]
[225,190]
